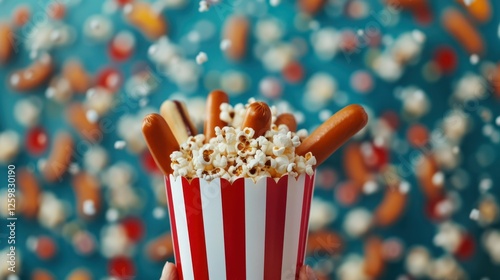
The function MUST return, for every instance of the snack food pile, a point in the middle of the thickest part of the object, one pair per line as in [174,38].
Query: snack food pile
[413,195]
[237,153]
[250,141]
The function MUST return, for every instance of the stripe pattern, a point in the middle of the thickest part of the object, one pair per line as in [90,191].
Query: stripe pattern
[240,230]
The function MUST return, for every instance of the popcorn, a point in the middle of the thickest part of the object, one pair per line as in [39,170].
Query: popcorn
[418,261]
[27,111]
[357,222]
[10,144]
[234,152]
[114,241]
[322,214]
[52,211]
[201,58]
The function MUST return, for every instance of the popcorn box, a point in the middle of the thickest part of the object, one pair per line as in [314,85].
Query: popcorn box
[240,230]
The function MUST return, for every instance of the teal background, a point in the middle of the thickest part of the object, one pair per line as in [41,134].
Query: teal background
[413,228]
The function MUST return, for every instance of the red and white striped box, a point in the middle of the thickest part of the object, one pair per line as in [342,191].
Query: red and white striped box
[240,230]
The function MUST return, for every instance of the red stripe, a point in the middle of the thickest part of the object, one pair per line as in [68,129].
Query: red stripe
[196,231]
[276,194]
[173,228]
[233,213]
[304,221]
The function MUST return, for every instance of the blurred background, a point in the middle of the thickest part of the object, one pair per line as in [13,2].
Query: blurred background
[412,196]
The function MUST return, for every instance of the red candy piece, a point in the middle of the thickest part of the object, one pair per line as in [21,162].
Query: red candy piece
[392,119]
[347,193]
[293,72]
[134,228]
[466,248]
[375,157]
[57,11]
[122,46]
[123,2]
[149,163]
[327,178]
[432,209]
[110,78]
[36,141]
[372,35]
[118,54]
[446,59]
[121,267]
[393,249]
[349,41]
[362,81]
[21,15]
[417,135]
[423,15]
[45,248]
[84,243]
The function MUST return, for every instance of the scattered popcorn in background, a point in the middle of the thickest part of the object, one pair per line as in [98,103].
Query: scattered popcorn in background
[413,195]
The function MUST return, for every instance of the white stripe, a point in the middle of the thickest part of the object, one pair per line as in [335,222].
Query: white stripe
[182,229]
[211,201]
[255,227]
[295,194]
